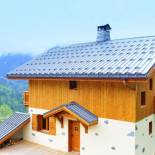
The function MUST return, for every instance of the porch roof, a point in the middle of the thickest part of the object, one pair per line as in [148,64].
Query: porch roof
[12,125]
[76,110]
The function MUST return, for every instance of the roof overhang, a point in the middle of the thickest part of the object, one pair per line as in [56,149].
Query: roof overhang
[113,59]
[75,110]
[12,125]
[142,79]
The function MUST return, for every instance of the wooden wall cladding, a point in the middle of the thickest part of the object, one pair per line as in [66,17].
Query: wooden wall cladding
[105,99]
[149,108]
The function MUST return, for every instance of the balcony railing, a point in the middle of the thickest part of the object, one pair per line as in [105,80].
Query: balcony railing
[26,98]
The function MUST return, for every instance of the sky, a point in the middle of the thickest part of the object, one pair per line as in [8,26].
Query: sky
[33,26]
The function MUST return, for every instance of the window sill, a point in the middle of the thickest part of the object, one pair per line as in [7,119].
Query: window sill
[44,131]
[143,106]
[73,89]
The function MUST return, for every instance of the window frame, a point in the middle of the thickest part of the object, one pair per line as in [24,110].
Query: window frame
[41,124]
[37,123]
[73,85]
[150,127]
[151,84]
[143,98]
[45,124]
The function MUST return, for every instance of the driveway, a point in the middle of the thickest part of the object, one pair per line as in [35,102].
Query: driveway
[27,148]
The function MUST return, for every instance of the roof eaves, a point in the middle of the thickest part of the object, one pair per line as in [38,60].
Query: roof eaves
[72,108]
[91,75]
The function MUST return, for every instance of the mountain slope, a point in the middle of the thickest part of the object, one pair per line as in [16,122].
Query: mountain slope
[11,90]
[11,61]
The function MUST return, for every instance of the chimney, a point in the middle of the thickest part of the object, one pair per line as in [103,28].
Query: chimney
[103,33]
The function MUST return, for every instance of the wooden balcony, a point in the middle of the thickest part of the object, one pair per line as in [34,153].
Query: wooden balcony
[26,98]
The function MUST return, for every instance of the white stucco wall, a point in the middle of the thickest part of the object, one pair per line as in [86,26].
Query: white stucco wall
[109,137]
[145,143]
[60,141]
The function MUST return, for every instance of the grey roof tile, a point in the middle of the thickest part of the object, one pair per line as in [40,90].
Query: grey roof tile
[82,112]
[78,110]
[121,58]
[12,123]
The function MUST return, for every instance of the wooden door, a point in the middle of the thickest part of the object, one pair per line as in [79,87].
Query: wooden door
[74,136]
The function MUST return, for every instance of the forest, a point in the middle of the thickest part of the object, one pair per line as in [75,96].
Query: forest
[10,100]
[11,91]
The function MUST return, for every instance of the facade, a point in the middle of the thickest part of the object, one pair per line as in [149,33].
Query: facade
[93,98]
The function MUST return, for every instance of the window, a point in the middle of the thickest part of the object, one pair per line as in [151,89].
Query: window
[150,84]
[143,98]
[72,84]
[45,124]
[40,123]
[150,128]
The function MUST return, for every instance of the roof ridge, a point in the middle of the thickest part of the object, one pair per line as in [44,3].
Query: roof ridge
[18,112]
[118,58]
[95,42]
[133,37]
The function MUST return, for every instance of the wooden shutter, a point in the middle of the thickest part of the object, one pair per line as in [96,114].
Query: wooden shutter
[34,122]
[26,98]
[47,123]
[52,125]
[37,122]
[40,122]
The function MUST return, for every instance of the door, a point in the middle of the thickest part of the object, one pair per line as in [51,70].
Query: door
[74,136]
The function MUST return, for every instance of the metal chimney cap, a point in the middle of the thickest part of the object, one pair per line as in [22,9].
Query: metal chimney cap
[104,27]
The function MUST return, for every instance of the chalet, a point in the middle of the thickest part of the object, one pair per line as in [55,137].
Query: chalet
[94,98]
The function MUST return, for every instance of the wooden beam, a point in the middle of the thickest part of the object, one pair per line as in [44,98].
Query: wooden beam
[85,127]
[47,123]
[60,112]
[60,119]
[93,123]
[48,114]
[68,116]
[137,80]
[62,122]
[77,117]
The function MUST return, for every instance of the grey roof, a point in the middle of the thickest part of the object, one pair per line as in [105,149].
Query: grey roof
[78,110]
[120,58]
[12,123]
